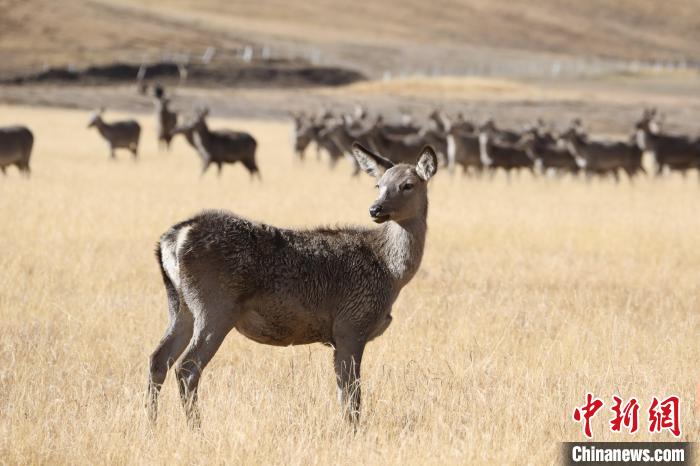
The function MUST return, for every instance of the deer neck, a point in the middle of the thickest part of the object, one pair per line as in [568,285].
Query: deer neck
[102,127]
[201,139]
[401,247]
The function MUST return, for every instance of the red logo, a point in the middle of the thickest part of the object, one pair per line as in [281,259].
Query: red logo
[589,409]
[626,416]
[663,415]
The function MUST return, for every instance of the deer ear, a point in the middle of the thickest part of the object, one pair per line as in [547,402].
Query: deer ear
[427,163]
[373,164]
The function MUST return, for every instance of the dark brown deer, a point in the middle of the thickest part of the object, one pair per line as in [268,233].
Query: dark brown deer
[166,122]
[285,287]
[680,153]
[549,154]
[463,146]
[119,134]
[220,146]
[496,153]
[16,143]
[604,157]
[397,147]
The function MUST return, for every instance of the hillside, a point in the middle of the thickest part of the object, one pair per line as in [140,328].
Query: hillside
[392,36]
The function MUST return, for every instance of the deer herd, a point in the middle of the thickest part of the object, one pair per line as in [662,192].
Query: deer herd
[475,149]
[486,148]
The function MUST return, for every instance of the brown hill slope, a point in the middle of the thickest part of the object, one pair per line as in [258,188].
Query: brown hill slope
[390,34]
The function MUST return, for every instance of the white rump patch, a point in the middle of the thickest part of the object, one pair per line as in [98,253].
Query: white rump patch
[170,253]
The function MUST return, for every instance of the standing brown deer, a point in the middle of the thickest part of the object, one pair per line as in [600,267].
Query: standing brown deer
[291,287]
[119,134]
[220,146]
[674,152]
[166,121]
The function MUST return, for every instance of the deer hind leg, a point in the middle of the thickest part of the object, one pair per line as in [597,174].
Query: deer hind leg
[616,176]
[347,358]
[251,166]
[205,165]
[171,346]
[210,329]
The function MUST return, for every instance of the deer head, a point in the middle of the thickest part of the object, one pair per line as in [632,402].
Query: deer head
[403,188]
[96,117]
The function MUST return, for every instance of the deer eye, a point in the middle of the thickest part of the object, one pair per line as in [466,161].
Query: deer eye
[407,187]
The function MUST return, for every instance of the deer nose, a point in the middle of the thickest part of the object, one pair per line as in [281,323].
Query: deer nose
[375,210]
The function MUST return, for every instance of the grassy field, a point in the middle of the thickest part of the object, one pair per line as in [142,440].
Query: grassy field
[531,294]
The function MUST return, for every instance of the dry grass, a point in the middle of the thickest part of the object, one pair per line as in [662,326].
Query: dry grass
[530,294]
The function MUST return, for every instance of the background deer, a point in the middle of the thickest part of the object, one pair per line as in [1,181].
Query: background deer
[166,119]
[497,153]
[462,146]
[675,152]
[604,157]
[119,134]
[16,144]
[290,287]
[220,146]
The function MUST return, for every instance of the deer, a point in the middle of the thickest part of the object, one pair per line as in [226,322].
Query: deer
[463,147]
[282,287]
[325,142]
[675,152]
[548,153]
[16,143]
[499,135]
[220,146]
[119,134]
[395,146]
[604,157]
[166,122]
[303,134]
[344,136]
[497,153]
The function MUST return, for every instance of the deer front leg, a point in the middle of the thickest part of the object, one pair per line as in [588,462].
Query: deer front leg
[347,358]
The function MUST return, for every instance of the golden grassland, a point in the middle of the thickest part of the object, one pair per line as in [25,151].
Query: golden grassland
[530,294]
[621,88]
